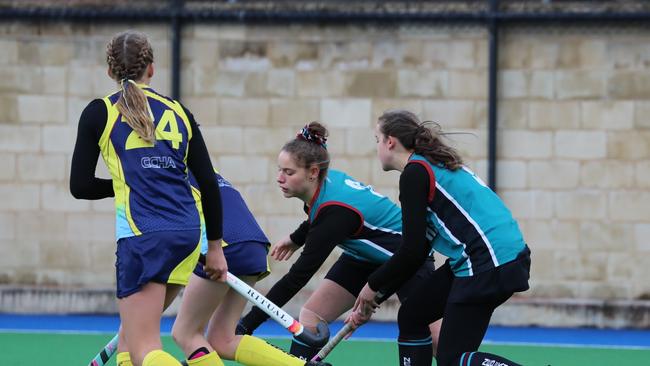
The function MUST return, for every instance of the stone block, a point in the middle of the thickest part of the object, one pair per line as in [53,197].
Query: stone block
[544,53]
[541,84]
[54,80]
[629,85]
[281,82]
[267,200]
[345,55]
[629,205]
[345,112]
[606,236]
[607,174]
[41,225]
[357,168]
[320,83]
[360,141]
[7,226]
[580,204]
[223,139]
[381,105]
[551,235]
[466,84]
[511,114]
[525,144]
[607,115]
[642,237]
[435,53]
[58,139]
[9,106]
[641,113]
[280,226]
[380,178]
[293,113]
[230,83]
[580,84]
[244,112]
[553,174]
[7,167]
[20,138]
[9,55]
[628,145]
[85,227]
[41,109]
[41,168]
[289,53]
[580,144]
[56,197]
[19,197]
[642,169]
[265,141]
[554,115]
[529,204]
[425,83]
[371,83]
[513,84]
[242,169]
[391,53]
[204,109]
[511,174]
[451,114]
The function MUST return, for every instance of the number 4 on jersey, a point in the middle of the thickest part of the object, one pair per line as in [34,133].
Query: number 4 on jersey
[168,119]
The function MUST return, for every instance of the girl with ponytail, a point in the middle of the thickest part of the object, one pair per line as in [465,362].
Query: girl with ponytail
[341,211]
[445,208]
[149,143]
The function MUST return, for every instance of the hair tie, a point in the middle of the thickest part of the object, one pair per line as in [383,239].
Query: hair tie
[311,137]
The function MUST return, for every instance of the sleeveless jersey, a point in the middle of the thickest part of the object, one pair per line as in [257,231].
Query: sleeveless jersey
[473,226]
[380,233]
[239,224]
[152,192]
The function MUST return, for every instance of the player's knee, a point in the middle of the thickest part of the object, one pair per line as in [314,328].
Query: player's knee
[309,318]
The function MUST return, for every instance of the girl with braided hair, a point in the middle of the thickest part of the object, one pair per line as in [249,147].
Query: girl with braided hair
[447,208]
[340,212]
[149,143]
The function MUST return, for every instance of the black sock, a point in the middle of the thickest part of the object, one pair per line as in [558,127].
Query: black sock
[415,355]
[303,351]
[482,358]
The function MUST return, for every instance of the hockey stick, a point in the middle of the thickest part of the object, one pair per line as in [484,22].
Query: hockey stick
[292,325]
[347,328]
[299,332]
[105,354]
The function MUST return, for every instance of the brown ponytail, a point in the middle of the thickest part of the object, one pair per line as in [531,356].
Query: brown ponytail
[309,147]
[128,55]
[418,137]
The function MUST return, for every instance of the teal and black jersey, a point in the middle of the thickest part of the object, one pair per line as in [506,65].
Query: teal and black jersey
[380,234]
[474,228]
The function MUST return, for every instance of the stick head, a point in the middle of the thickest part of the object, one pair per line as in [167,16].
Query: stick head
[317,340]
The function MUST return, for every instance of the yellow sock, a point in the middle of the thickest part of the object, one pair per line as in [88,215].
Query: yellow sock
[253,351]
[211,359]
[124,359]
[159,358]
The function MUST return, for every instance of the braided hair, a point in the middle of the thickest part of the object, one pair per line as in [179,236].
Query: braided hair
[418,137]
[128,55]
[309,147]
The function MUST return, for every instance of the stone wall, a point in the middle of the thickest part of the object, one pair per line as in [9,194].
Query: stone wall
[573,141]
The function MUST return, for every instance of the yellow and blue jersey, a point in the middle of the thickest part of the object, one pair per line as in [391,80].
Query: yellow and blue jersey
[380,233]
[152,191]
[474,227]
[239,224]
